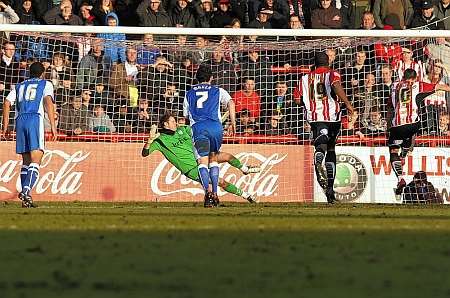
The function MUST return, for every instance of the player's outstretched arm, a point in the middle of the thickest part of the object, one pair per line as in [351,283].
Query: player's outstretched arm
[50,107]
[6,110]
[443,87]
[151,137]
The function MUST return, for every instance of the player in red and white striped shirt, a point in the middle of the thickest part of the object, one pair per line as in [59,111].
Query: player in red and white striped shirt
[406,97]
[320,92]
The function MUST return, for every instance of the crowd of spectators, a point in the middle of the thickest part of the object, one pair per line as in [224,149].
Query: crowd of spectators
[122,83]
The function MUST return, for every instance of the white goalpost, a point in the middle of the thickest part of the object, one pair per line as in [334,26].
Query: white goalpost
[112,84]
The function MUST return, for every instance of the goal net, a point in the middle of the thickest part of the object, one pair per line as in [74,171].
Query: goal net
[111,88]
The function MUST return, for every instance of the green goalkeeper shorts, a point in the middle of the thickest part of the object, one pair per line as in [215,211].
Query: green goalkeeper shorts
[193,174]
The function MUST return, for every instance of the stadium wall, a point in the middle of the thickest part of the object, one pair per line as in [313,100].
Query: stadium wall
[89,171]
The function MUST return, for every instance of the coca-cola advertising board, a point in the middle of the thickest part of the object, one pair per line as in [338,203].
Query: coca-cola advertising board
[84,171]
[364,175]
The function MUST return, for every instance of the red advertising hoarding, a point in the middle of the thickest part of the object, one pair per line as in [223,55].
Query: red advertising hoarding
[89,171]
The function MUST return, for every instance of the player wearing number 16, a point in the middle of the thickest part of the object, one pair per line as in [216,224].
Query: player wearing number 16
[202,107]
[29,97]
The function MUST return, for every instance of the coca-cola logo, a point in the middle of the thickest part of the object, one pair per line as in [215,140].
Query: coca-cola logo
[264,183]
[65,180]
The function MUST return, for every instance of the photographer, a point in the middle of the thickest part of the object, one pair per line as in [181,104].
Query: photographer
[421,191]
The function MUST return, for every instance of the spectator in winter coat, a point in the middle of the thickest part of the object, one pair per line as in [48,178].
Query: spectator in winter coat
[442,11]
[427,19]
[101,9]
[223,16]
[151,14]
[114,42]
[7,16]
[185,13]
[326,17]
[26,12]
[62,15]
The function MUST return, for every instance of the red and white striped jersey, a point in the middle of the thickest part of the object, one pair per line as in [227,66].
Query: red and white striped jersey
[401,66]
[404,99]
[438,98]
[316,92]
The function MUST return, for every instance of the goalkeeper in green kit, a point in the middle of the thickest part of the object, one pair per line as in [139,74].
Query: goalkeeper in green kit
[175,143]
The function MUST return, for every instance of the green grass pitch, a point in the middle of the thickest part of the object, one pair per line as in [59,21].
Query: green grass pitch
[240,250]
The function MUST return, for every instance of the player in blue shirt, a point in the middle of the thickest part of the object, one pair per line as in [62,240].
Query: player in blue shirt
[202,107]
[30,97]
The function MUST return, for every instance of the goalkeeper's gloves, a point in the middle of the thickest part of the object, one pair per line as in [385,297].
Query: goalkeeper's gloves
[153,134]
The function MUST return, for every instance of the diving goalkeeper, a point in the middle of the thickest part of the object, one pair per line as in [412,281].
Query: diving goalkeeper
[175,143]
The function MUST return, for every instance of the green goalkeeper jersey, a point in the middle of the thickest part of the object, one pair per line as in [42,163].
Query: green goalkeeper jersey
[177,149]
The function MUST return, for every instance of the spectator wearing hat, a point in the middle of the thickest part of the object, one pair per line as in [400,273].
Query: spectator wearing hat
[326,16]
[406,62]
[442,11]
[262,20]
[278,12]
[114,42]
[152,14]
[401,10]
[421,191]
[223,16]
[427,19]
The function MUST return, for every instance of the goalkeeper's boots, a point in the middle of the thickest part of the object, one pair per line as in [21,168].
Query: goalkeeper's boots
[331,197]
[252,198]
[400,186]
[251,170]
[321,176]
[209,201]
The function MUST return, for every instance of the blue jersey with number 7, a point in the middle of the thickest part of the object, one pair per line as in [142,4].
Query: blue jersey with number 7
[203,102]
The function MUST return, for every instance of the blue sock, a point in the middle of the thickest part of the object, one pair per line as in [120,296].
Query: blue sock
[204,176]
[214,175]
[30,180]
[23,174]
